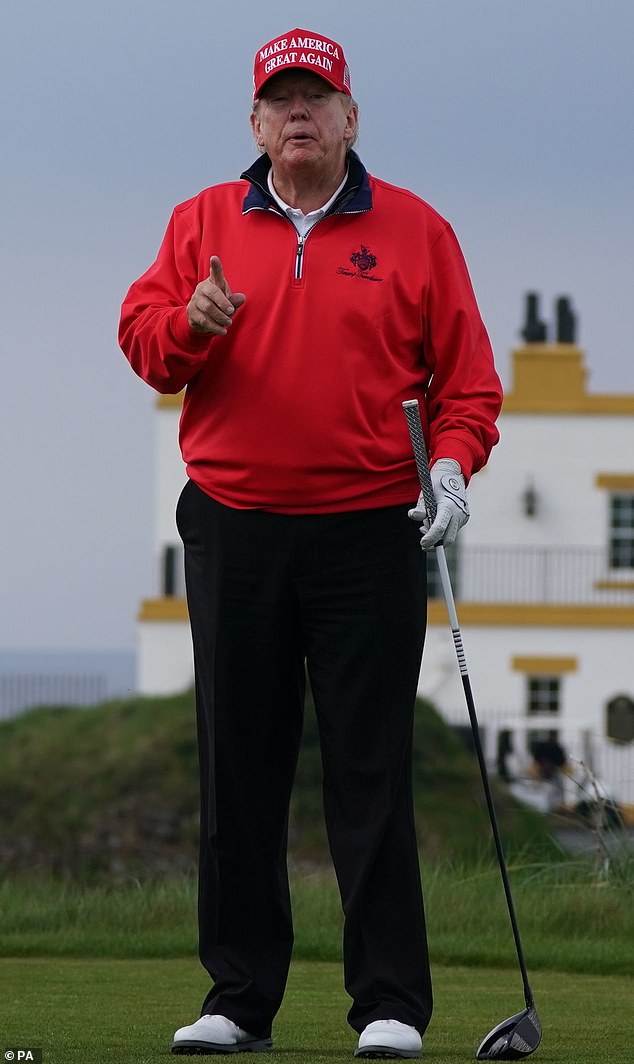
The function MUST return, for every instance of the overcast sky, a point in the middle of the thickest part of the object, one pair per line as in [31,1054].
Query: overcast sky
[513,119]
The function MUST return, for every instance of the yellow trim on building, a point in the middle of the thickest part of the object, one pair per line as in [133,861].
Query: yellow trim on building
[163,609]
[167,402]
[502,615]
[551,379]
[544,666]
[615,481]
[485,615]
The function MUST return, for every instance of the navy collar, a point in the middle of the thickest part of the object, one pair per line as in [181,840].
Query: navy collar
[354,198]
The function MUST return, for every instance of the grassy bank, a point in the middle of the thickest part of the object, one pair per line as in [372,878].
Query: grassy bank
[111,792]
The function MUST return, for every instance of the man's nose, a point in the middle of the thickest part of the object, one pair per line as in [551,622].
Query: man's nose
[299,106]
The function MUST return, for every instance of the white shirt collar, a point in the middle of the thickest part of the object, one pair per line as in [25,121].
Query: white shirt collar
[304,222]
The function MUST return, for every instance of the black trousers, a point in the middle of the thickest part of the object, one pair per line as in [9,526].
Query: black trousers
[345,595]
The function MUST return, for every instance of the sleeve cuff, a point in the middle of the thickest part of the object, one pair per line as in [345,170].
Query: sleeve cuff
[451,447]
[187,338]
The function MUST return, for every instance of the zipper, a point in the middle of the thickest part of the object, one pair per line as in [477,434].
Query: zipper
[301,240]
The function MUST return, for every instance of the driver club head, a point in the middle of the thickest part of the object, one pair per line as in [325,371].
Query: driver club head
[513,1038]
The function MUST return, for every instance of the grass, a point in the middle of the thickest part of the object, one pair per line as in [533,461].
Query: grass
[81,1011]
[97,948]
[569,920]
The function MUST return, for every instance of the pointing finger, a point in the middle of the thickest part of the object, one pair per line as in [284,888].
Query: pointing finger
[216,274]
[217,277]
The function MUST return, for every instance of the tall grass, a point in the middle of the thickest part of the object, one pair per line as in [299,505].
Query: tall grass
[569,920]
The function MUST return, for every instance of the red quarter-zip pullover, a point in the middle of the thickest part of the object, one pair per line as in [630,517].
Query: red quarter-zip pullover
[298,408]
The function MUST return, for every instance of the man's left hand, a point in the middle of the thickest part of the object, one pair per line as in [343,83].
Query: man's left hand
[451,501]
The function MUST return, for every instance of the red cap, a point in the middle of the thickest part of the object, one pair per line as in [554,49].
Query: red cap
[301,50]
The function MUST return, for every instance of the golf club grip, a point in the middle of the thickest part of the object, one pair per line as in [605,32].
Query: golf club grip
[412,413]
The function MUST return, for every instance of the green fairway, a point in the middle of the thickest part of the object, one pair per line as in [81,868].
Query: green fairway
[81,1011]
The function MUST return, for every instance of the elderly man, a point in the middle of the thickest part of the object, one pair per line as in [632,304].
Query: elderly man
[353,296]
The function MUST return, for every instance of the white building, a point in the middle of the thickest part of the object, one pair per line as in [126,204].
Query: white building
[543,576]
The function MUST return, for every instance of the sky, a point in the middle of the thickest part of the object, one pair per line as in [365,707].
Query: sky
[513,120]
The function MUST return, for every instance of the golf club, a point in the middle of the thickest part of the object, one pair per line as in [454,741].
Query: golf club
[521,1034]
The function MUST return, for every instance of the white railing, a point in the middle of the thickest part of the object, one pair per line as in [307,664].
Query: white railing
[20,691]
[536,575]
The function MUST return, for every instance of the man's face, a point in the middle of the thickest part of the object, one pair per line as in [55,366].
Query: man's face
[301,121]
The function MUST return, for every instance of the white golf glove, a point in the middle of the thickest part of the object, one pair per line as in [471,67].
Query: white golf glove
[451,501]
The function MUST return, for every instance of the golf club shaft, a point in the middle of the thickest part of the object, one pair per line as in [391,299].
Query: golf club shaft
[412,413]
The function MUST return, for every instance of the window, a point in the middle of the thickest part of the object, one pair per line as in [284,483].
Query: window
[543,695]
[622,530]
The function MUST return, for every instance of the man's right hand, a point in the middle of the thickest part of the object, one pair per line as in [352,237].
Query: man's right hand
[213,304]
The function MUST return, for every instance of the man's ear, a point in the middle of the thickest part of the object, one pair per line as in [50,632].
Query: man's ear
[256,130]
[351,125]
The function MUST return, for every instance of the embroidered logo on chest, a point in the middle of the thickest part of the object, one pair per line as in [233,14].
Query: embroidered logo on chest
[364,260]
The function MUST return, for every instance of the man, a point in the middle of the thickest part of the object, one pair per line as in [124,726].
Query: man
[353,297]
[549,760]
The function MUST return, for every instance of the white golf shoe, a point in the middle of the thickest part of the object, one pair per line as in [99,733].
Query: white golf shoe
[389,1039]
[217,1034]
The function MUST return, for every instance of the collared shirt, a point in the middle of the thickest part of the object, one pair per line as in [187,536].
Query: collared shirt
[304,222]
